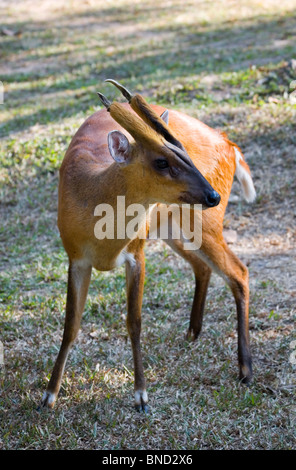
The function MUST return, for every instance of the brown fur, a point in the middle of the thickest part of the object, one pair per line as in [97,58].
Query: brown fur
[150,116]
[89,176]
[135,126]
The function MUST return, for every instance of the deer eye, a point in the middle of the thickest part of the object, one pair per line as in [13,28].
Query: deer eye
[161,163]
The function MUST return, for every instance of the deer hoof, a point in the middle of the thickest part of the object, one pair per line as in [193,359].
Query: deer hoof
[48,400]
[141,399]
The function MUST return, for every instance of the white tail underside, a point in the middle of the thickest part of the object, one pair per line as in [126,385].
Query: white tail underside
[244,178]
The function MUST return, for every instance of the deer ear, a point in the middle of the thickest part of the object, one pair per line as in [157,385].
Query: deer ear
[165,116]
[119,147]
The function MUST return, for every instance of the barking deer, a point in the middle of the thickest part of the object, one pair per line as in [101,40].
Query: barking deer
[151,156]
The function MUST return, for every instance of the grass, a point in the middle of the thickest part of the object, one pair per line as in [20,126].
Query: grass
[229,65]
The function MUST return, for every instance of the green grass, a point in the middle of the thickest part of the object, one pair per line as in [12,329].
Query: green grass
[229,65]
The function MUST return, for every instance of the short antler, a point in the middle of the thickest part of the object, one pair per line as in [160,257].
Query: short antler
[104,100]
[127,94]
[142,108]
[138,129]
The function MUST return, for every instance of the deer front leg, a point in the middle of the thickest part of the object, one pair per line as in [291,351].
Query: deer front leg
[135,275]
[78,282]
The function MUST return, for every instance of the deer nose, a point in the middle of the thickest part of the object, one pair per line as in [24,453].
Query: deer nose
[212,199]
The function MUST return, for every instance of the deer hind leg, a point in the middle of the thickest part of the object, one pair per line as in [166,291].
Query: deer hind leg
[202,274]
[219,258]
[78,283]
[135,275]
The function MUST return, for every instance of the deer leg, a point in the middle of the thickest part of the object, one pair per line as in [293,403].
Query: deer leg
[135,275]
[220,258]
[202,277]
[216,254]
[78,282]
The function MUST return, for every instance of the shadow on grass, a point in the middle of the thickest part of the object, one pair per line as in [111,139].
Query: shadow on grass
[184,52]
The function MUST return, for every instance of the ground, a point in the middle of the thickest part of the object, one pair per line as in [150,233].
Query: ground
[228,64]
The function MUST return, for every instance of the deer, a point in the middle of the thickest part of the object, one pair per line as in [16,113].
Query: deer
[154,157]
